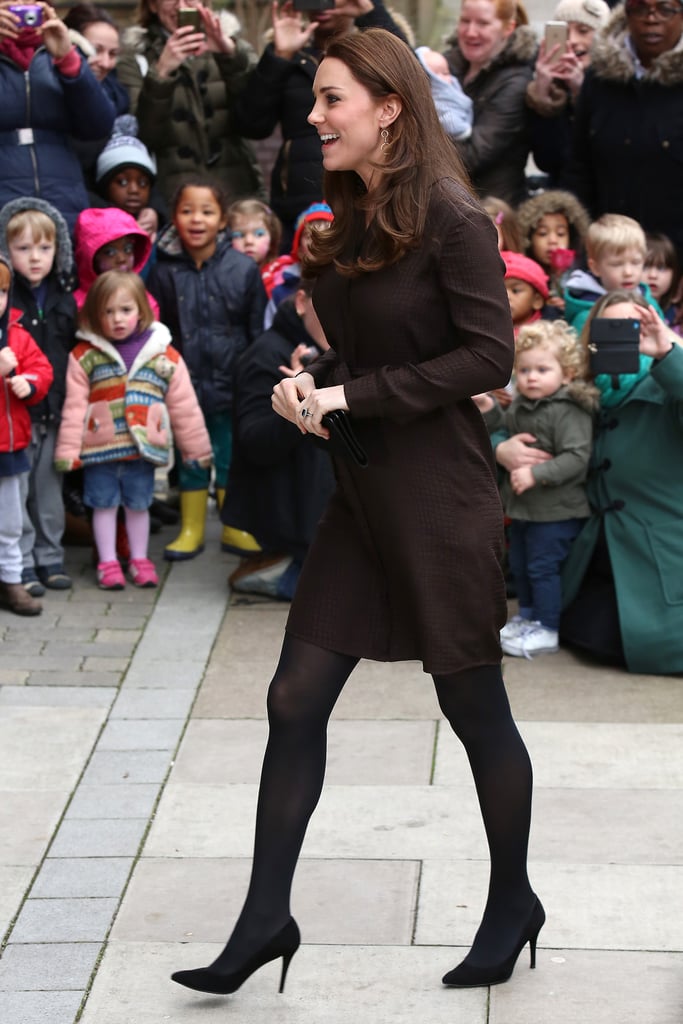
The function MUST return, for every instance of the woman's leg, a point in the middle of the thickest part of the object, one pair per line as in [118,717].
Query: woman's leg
[304,690]
[476,705]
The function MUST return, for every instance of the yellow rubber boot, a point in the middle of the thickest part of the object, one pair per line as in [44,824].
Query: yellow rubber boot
[190,540]
[237,542]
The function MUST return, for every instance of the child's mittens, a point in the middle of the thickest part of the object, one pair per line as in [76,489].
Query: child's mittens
[66,465]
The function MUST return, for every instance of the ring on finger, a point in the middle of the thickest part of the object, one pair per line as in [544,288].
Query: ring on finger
[306,412]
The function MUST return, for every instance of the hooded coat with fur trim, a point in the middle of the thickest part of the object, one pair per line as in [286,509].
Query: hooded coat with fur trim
[97,226]
[554,201]
[187,119]
[496,152]
[628,142]
[52,325]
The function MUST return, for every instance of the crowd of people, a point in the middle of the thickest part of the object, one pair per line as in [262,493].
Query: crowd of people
[134,151]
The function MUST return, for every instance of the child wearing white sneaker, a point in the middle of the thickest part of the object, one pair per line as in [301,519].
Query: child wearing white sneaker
[126,386]
[546,502]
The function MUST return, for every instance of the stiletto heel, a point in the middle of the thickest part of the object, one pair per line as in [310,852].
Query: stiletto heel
[212,979]
[468,976]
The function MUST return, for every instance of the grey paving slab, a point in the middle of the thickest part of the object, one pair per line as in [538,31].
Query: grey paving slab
[64,920]
[104,837]
[615,988]
[156,703]
[141,734]
[39,1007]
[119,636]
[398,753]
[63,736]
[14,881]
[115,801]
[12,677]
[56,697]
[338,902]
[79,877]
[588,906]
[104,665]
[62,663]
[93,649]
[595,755]
[38,966]
[27,822]
[334,984]
[110,767]
[79,679]
[147,673]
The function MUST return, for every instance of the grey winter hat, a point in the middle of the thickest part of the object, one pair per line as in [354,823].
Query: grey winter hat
[124,149]
[593,13]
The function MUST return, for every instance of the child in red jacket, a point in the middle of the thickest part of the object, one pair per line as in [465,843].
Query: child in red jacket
[25,377]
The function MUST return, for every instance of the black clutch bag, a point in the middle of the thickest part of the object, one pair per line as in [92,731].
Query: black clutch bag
[343,441]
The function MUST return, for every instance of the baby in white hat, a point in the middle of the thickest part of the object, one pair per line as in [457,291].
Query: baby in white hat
[452,105]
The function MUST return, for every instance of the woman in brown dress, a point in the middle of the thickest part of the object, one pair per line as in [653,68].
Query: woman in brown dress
[406,561]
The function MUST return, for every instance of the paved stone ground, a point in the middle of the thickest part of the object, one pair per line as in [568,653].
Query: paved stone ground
[131,733]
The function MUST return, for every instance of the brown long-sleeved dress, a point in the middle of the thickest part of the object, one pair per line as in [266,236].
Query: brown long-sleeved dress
[406,560]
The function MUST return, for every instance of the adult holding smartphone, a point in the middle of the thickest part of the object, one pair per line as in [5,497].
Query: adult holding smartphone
[182,83]
[558,77]
[279,94]
[49,94]
[622,581]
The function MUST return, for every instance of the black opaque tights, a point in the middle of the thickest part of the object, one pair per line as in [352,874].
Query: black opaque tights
[302,695]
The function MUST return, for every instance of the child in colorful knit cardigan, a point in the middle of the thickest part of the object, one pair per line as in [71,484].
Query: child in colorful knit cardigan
[126,386]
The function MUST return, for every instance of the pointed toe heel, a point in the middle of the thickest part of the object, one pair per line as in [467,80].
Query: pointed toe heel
[470,976]
[217,982]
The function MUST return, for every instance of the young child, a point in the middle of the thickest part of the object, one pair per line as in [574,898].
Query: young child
[662,275]
[281,277]
[36,237]
[615,247]
[127,387]
[554,226]
[108,238]
[454,107]
[527,287]
[212,299]
[125,174]
[25,376]
[254,230]
[546,503]
[505,220]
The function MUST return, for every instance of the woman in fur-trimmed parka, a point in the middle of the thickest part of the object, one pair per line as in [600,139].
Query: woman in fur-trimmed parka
[494,64]
[183,99]
[628,143]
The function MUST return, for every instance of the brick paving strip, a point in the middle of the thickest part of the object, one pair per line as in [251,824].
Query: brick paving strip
[95,694]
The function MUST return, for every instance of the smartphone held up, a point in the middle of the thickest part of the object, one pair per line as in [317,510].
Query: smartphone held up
[556,34]
[614,346]
[313,5]
[189,16]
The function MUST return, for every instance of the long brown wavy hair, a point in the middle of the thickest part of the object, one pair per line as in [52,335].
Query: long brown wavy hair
[419,154]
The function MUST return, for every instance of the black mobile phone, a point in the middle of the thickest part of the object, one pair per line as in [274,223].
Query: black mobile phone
[614,346]
[313,5]
[189,16]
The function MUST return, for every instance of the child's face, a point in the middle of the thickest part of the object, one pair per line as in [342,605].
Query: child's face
[198,219]
[658,279]
[4,295]
[120,315]
[618,269]
[551,233]
[129,190]
[116,255]
[523,298]
[32,258]
[251,236]
[538,373]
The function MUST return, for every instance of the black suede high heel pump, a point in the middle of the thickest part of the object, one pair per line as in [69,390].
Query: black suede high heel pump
[212,979]
[469,976]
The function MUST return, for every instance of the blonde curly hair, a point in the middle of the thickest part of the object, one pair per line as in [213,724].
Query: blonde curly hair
[564,343]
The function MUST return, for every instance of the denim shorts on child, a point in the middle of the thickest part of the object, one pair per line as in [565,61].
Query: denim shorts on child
[127,483]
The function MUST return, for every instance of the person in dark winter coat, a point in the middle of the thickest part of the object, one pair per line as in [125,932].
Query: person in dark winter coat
[48,95]
[278,92]
[623,580]
[628,141]
[212,299]
[45,300]
[492,54]
[182,86]
[405,563]
[279,483]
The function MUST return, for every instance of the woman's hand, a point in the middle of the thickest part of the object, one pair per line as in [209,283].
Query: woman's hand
[54,33]
[290,31]
[216,40]
[516,452]
[9,23]
[298,400]
[656,337]
[553,66]
[185,42]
